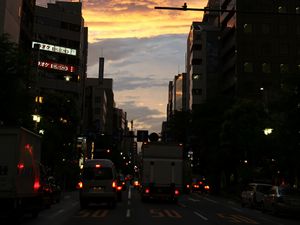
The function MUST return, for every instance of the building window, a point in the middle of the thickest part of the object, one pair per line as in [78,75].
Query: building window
[266,68]
[248,67]
[283,29]
[284,68]
[283,49]
[197,91]
[196,61]
[97,99]
[298,30]
[265,28]
[97,111]
[266,49]
[247,28]
[281,9]
[197,76]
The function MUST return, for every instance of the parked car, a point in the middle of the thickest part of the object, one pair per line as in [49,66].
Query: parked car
[253,194]
[282,200]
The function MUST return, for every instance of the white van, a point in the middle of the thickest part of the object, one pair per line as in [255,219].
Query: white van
[98,183]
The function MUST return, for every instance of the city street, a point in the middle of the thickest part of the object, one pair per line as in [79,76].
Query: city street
[132,211]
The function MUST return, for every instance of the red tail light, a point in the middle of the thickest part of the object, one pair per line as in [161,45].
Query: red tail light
[177,192]
[147,191]
[119,188]
[114,184]
[36,185]
[206,187]
[20,166]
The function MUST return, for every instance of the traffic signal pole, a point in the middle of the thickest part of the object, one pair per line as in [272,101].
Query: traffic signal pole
[207,9]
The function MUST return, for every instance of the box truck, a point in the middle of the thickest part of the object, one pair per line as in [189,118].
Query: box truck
[161,171]
[20,151]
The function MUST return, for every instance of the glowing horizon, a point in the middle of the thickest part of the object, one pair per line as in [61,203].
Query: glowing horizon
[139,19]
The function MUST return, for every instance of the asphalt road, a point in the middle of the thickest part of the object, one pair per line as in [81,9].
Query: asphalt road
[190,209]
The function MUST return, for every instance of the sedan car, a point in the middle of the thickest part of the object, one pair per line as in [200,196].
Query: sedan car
[282,200]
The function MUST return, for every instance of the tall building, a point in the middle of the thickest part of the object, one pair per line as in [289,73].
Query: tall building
[260,46]
[61,38]
[202,63]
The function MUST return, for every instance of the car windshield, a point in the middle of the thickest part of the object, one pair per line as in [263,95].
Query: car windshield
[91,173]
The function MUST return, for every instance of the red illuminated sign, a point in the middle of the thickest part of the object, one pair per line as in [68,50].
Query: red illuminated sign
[56,66]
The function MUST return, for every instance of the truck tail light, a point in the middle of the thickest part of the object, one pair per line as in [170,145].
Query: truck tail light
[36,185]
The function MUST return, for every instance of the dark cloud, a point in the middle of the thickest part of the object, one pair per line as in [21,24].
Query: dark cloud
[139,62]
[143,115]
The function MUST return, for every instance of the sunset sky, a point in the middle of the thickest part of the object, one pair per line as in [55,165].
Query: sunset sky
[143,49]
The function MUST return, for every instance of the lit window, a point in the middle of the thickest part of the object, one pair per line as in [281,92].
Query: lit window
[196,76]
[283,49]
[248,67]
[265,28]
[266,68]
[284,68]
[247,28]
[281,9]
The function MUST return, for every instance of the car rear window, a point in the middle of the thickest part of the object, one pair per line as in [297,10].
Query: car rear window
[103,173]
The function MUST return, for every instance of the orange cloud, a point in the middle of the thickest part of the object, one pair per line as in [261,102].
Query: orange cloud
[131,18]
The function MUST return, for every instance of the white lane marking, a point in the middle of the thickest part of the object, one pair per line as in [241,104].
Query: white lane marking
[236,209]
[128,213]
[129,193]
[210,200]
[59,212]
[67,196]
[194,200]
[201,216]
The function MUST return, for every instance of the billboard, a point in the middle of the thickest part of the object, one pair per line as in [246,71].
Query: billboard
[55,48]
[56,66]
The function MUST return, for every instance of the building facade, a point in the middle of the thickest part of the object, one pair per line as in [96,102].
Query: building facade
[202,63]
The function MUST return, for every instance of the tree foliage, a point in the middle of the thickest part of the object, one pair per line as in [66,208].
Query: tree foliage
[16,101]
